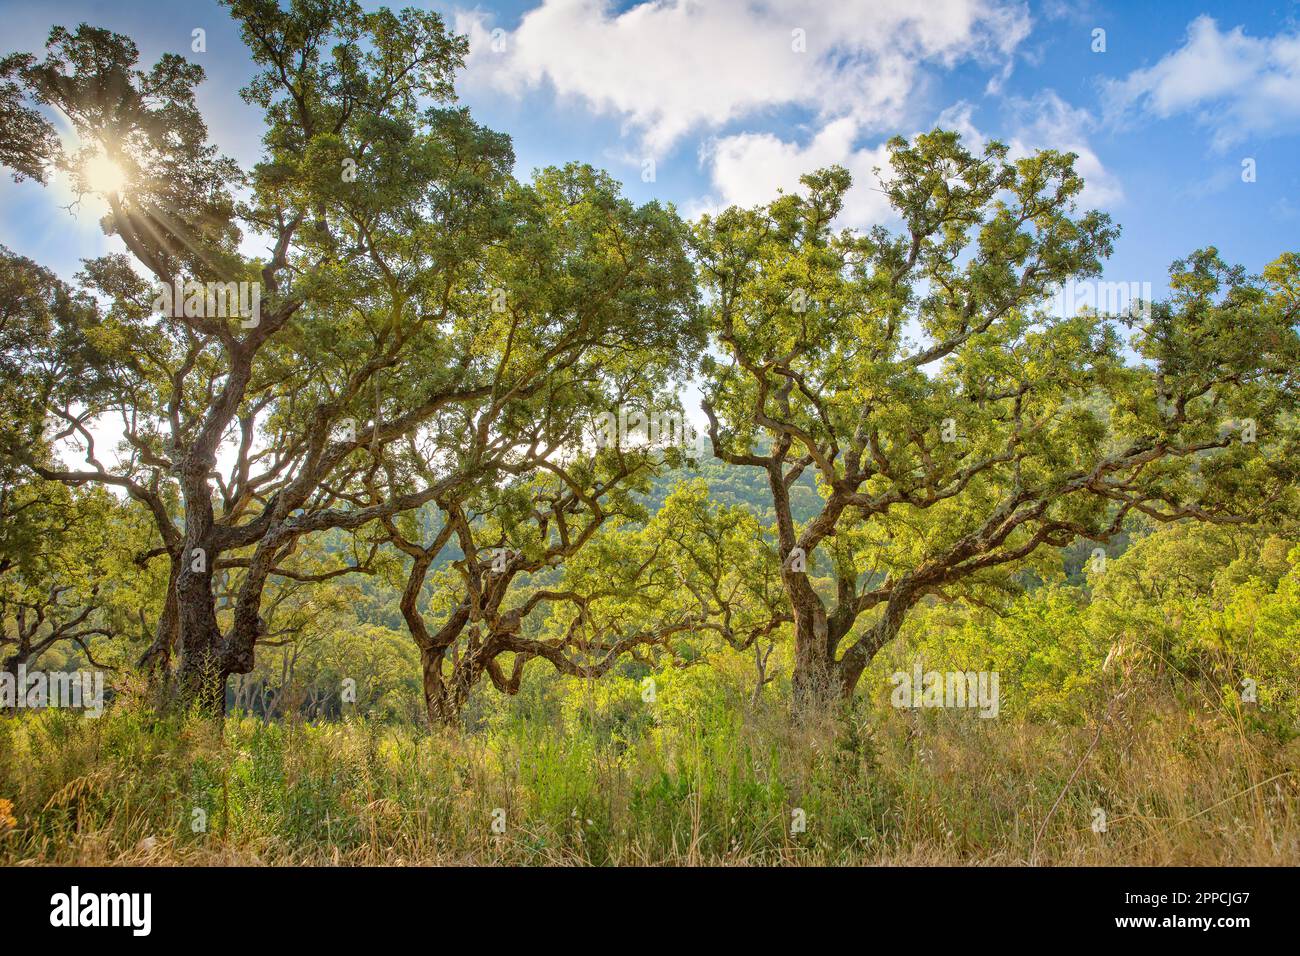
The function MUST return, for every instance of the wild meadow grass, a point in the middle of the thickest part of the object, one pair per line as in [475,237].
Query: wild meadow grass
[715,785]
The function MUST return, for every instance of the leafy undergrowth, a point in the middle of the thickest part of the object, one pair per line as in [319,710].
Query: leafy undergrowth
[1177,785]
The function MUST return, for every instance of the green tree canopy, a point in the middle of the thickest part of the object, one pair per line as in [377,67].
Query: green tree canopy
[954,424]
[410,286]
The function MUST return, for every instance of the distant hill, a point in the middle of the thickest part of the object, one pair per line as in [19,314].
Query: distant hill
[734,485]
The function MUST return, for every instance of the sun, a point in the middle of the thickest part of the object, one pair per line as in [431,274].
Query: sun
[103,175]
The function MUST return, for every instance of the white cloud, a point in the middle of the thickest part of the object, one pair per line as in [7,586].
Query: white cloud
[958,119]
[1237,85]
[668,67]
[1048,122]
[747,169]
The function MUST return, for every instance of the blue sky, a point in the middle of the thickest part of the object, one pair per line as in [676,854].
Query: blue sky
[731,100]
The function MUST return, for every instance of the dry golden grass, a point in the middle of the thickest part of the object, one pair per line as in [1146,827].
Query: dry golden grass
[1178,786]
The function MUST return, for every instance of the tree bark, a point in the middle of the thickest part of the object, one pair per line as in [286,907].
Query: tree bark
[156,660]
[812,679]
[438,705]
[856,658]
[445,695]
[201,678]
